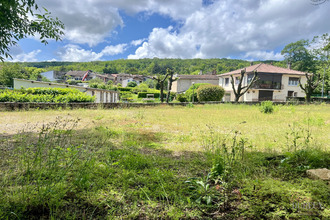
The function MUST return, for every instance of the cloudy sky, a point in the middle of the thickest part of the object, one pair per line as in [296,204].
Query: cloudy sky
[134,29]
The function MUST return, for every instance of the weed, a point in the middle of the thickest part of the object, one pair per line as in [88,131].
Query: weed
[267,107]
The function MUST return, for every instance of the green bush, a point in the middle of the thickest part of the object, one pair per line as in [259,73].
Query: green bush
[192,90]
[54,95]
[267,107]
[125,88]
[144,94]
[210,93]
[132,84]
[181,98]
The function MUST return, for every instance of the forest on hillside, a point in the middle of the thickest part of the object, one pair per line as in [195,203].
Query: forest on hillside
[149,66]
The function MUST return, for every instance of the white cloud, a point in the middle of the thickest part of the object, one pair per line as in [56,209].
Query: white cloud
[247,28]
[113,50]
[138,42]
[20,56]
[263,55]
[75,53]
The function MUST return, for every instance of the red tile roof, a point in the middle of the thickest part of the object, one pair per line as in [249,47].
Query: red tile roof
[265,68]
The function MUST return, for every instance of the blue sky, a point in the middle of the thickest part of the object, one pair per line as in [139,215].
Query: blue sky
[131,29]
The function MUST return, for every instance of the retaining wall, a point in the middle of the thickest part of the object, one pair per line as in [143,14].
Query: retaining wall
[12,106]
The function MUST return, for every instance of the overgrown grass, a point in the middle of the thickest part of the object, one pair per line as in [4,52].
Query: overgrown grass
[135,163]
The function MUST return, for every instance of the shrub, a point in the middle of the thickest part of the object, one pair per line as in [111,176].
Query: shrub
[124,89]
[267,107]
[144,94]
[132,84]
[181,98]
[192,90]
[210,93]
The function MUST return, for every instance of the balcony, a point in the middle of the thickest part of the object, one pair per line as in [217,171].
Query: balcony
[267,85]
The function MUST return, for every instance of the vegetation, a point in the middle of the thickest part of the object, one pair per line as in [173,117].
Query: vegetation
[194,163]
[56,95]
[18,21]
[210,93]
[311,57]
[267,107]
[241,90]
[192,91]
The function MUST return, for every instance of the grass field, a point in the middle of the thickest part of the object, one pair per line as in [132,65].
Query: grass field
[211,161]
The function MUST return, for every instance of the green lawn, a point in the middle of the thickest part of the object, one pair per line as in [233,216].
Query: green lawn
[211,161]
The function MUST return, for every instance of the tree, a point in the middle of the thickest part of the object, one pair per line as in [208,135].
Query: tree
[16,24]
[241,90]
[310,86]
[300,56]
[169,85]
[321,49]
[10,71]
[160,80]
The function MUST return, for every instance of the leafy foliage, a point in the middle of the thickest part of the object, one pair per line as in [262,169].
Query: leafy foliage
[267,107]
[193,91]
[56,95]
[16,24]
[210,93]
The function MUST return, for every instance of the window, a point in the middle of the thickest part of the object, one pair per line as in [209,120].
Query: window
[226,81]
[237,80]
[293,81]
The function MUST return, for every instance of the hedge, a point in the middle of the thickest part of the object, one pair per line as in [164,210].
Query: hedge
[54,95]
[144,94]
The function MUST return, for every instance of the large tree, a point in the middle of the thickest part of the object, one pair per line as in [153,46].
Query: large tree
[241,90]
[321,49]
[302,57]
[21,18]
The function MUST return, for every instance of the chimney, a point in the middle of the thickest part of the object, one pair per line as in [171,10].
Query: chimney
[271,63]
[289,65]
[214,72]
[251,64]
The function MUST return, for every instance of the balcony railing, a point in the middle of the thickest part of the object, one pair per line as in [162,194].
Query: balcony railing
[261,85]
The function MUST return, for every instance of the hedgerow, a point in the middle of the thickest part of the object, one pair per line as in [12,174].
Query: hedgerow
[54,95]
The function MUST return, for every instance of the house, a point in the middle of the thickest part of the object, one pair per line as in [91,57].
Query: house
[134,78]
[105,77]
[183,82]
[102,95]
[54,75]
[79,75]
[119,78]
[274,83]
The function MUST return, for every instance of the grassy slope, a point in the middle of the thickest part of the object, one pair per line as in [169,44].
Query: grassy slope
[132,163]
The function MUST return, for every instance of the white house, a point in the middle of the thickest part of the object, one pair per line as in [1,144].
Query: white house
[101,95]
[274,83]
[183,82]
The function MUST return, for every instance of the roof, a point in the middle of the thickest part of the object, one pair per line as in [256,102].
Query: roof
[199,77]
[265,68]
[76,73]
[66,85]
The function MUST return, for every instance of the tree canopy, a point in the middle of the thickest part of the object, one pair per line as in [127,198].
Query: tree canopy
[20,18]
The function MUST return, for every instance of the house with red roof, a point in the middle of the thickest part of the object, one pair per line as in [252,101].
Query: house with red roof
[273,83]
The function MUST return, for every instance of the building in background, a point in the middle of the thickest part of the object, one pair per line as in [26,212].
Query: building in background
[183,82]
[274,83]
[101,95]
